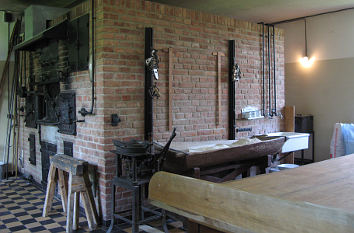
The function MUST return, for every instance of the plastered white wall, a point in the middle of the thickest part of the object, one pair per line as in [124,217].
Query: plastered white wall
[3,37]
[329,37]
[326,89]
[5,94]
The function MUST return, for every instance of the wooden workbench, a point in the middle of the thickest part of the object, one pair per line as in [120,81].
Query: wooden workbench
[314,198]
[328,183]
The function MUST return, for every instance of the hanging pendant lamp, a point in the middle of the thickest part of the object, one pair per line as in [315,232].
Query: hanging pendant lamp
[306,61]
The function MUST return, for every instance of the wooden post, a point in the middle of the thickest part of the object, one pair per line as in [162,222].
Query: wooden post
[170,87]
[219,55]
[289,118]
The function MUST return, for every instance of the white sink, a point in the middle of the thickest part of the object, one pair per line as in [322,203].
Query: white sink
[294,141]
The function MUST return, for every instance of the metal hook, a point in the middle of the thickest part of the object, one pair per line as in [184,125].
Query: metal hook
[154,92]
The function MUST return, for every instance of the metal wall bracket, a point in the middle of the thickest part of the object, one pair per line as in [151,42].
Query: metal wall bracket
[148,131]
[232,91]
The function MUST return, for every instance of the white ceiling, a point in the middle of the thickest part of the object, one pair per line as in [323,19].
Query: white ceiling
[267,11]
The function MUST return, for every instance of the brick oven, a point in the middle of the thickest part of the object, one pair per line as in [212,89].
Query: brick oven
[119,85]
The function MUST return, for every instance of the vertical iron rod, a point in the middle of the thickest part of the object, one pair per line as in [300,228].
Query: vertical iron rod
[269,73]
[274,78]
[25,69]
[148,121]
[305,37]
[263,74]
[232,91]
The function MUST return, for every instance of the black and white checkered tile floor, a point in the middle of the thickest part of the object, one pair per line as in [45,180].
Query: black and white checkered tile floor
[21,206]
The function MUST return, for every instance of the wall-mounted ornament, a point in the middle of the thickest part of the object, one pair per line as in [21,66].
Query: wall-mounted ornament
[115,119]
[236,72]
[153,64]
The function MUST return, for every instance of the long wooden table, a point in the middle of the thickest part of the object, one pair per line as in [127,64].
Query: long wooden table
[314,198]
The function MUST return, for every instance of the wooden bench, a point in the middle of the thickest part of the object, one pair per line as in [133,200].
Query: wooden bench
[77,186]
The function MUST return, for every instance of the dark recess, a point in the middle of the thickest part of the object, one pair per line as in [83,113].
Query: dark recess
[68,148]
[32,146]
[78,43]
[47,150]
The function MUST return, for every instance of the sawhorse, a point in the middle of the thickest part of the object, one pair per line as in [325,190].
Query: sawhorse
[78,186]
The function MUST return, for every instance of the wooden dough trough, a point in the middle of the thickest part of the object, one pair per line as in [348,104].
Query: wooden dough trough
[179,161]
[312,198]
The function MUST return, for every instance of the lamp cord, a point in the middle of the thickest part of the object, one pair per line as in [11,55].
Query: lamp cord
[305,37]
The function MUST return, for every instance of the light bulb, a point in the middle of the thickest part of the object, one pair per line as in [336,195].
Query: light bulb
[306,62]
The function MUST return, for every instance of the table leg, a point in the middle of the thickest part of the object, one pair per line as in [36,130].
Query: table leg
[135,210]
[76,210]
[113,208]
[69,214]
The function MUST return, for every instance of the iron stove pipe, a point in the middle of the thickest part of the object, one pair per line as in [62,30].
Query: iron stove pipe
[263,74]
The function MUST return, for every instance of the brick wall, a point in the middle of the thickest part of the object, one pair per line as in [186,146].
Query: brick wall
[194,36]
[89,143]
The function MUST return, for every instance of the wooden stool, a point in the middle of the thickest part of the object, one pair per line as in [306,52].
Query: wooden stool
[79,183]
